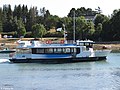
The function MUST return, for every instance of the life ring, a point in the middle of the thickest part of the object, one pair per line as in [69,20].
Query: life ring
[62,41]
[48,42]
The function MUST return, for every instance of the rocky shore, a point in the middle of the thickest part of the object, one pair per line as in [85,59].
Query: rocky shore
[113,47]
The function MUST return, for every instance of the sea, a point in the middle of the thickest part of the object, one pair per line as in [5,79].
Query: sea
[96,75]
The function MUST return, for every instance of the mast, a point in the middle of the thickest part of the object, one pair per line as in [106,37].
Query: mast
[74,28]
[65,41]
[64,31]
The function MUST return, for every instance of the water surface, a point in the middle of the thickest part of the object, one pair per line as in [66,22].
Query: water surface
[99,75]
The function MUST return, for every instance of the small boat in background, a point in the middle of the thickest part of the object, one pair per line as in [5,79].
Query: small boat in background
[6,50]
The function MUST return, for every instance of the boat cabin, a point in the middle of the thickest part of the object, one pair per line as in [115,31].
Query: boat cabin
[37,52]
[35,49]
[87,43]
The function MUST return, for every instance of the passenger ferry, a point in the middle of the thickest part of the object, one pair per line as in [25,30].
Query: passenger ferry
[36,52]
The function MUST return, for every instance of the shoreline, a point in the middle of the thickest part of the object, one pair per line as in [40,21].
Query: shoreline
[113,47]
[10,43]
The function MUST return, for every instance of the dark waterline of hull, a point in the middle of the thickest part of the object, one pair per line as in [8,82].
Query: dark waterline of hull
[7,51]
[58,60]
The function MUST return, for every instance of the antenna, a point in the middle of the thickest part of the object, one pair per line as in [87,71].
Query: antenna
[98,10]
[64,32]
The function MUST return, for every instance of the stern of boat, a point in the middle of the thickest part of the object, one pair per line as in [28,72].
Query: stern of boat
[101,53]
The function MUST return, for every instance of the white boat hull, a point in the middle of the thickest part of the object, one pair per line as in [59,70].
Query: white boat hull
[101,53]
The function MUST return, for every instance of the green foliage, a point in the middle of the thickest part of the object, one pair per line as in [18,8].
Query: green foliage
[21,31]
[98,31]
[54,34]
[21,19]
[90,30]
[115,25]
[38,30]
[100,26]
[51,21]
[30,18]
[82,12]
[84,29]
[1,28]
[100,19]
[81,27]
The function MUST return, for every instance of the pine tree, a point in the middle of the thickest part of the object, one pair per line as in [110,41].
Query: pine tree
[21,31]
[1,28]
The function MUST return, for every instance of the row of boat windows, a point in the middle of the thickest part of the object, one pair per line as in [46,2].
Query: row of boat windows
[86,44]
[55,50]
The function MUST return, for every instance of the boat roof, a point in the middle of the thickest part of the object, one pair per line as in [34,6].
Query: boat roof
[50,46]
[56,46]
[85,41]
[37,44]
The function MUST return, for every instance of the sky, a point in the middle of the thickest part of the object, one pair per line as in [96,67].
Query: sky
[63,7]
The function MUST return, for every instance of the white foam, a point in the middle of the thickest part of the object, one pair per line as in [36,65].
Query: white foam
[4,60]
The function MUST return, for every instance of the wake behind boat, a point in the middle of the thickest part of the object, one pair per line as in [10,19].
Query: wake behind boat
[36,52]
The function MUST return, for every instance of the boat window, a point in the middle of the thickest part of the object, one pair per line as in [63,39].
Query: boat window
[48,50]
[77,50]
[40,50]
[33,50]
[37,50]
[81,44]
[58,50]
[25,50]
[83,49]
[55,50]
[64,50]
[67,50]
[91,45]
[73,50]
[87,44]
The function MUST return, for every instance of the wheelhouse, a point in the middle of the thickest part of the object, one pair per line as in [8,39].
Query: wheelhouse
[88,43]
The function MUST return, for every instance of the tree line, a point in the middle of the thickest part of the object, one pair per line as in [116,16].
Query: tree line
[36,23]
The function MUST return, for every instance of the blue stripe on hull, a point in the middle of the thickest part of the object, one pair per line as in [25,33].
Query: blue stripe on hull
[52,56]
